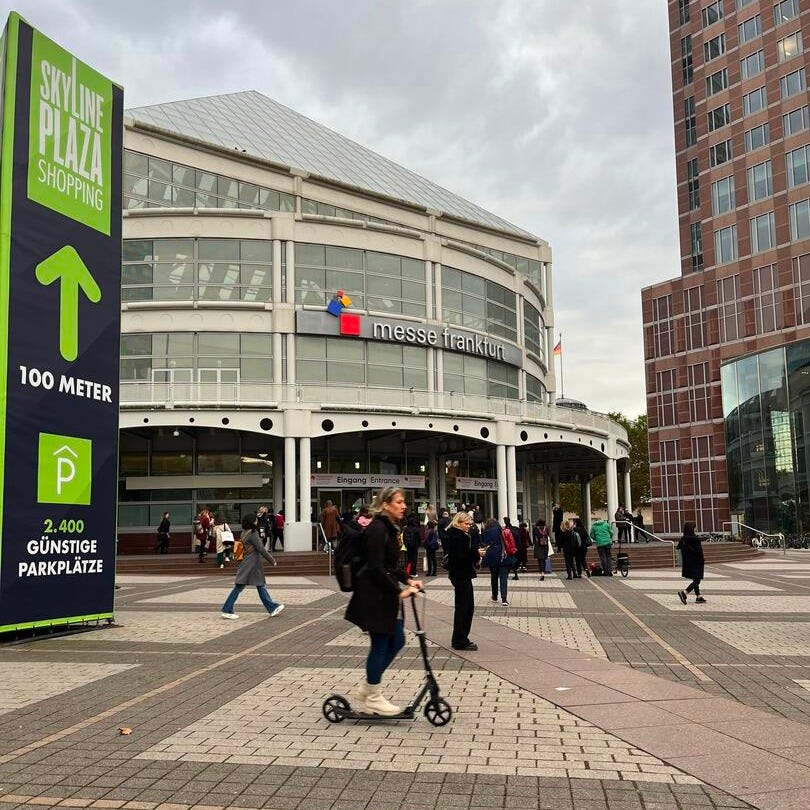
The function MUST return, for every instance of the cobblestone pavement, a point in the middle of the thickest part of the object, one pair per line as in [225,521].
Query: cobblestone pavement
[227,714]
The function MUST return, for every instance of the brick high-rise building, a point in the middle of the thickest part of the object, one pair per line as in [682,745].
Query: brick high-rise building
[742,144]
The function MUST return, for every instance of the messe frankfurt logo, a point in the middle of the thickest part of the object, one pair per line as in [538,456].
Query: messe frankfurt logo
[349,324]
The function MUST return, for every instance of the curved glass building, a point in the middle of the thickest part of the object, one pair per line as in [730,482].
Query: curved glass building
[766,407]
[305,320]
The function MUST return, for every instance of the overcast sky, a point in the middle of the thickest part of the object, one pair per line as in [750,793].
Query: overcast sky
[554,114]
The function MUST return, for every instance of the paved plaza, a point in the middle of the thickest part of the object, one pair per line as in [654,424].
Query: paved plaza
[584,694]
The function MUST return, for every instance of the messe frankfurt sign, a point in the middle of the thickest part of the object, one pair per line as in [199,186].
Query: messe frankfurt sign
[392,330]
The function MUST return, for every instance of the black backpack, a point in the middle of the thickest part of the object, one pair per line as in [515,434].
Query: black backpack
[350,557]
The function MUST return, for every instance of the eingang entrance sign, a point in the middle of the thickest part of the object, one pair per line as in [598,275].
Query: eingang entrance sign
[60,264]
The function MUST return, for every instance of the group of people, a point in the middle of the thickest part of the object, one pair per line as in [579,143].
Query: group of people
[627,525]
[212,533]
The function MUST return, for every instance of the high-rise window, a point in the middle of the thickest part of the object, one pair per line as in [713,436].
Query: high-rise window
[796,165]
[707,514]
[666,398]
[789,46]
[714,47]
[720,153]
[670,487]
[723,195]
[683,11]
[795,121]
[760,181]
[766,307]
[740,4]
[728,296]
[757,137]
[686,59]
[749,29]
[725,245]
[693,318]
[763,233]
[717,82]
[712,13]
[793,83]
[719,117]
[799,220]
[698,379]
[693,184]
[801,279]
[784,11]
[690,120]
[752,65]
[755,101]
[662,326]
[696,243]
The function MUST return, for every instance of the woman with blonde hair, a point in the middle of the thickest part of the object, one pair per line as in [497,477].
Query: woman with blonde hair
[463,558]
[380,588]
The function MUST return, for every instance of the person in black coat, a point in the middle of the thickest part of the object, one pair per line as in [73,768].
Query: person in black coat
[556,521]
[164,534]
[691,562]
[412,538]
[376,603]
[581,550]
[462,561]
[565,543]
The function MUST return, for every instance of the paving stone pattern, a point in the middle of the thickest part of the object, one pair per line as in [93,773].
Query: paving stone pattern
[535,599]
[762,638]
[713,585]
[576,634]
[248,599]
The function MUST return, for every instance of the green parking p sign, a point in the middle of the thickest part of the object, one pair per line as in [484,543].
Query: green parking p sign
[65,469]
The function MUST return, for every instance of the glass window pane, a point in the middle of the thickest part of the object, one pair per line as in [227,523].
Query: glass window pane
[310,255]
[173,249]
[219,249]
[342,349]
[137,250]
[136,163]
[382,263]
[347,258]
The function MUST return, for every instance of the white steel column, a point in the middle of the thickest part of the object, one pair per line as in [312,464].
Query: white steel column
[278,478]
[612,488]
[511,483]
[276,286]
[442,473]
[586,501]
[289,479]
[433,495]
[628,495]
[500,474]
[290,359]
[305,491]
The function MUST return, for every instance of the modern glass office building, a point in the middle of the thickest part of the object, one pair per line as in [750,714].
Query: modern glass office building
[304,319]
[766,408]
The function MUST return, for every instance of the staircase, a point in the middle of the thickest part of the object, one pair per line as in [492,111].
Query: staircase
[310,563]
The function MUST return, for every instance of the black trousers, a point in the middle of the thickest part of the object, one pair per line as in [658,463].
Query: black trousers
[464,609]
[579,558]
[568,553]
[430,553]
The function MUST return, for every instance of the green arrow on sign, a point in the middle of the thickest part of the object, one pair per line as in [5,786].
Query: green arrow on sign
[67,266]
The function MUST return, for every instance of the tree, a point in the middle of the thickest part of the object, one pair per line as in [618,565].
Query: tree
[639,471]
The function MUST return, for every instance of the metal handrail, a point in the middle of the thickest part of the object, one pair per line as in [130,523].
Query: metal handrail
[758,533]
[653,536]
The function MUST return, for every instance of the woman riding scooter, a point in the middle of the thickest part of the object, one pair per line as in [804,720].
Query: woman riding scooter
[376,603]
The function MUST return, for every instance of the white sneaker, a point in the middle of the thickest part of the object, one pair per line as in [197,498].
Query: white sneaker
[377,704]
[361,692]
[276,610]
[221,566]
[229,615]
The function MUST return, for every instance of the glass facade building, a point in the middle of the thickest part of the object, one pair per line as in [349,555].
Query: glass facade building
[303,319]
[766,409]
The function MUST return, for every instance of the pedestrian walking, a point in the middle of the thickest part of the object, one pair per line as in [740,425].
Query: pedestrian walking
[431,546]
[202,526]
[330,521]
[164,534]
[412,537]
[556,520]
[376,603]
[540,545]
[565,543]
[602,534]
[224,540]
[278,530]
[497,560]
[250,571]
[581,548]
[463,559]
[692,563]
[524,543]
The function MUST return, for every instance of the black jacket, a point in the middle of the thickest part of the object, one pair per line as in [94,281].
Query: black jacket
[691,557]
[375,603]
[462,554]
[565,540]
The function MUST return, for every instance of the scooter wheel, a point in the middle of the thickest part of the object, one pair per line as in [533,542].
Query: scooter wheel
[438,712]
[335,708]
[625,571]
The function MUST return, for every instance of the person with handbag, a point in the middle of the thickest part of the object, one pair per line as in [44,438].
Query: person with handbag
[497,560]
[462,558]
[540,545]
[250,571]
[224,539]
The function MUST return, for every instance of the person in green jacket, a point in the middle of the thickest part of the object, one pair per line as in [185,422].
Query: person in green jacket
[602,535]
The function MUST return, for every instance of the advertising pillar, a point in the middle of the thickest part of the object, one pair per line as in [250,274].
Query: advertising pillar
[60,265]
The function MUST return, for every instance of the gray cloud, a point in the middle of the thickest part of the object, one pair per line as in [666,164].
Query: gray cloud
[555,115]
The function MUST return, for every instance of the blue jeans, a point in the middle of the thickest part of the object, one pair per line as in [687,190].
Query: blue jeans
[384,649]
[499,575]
[267,600]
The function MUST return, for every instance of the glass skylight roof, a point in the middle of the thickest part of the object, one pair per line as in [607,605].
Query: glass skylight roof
[253,123]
